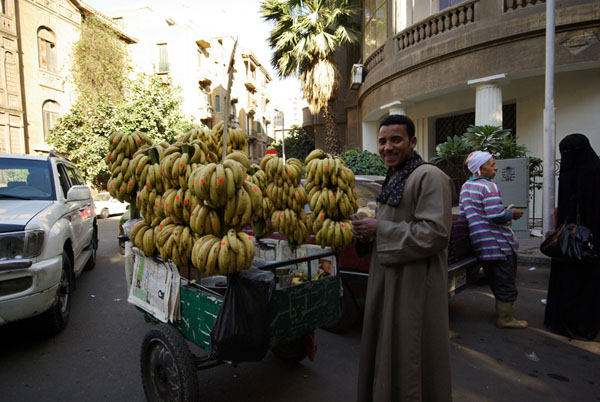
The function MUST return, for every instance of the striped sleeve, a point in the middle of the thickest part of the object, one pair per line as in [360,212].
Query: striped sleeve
[492,203]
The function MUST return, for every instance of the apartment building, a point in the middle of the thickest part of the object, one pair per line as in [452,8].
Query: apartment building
[198,64]
[35,85]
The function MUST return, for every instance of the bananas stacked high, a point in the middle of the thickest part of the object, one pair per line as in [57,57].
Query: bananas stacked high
[180,159]
[236,139]
[332,199]
[121,149]
[175,242]
[288,197]
[227,200]
[217,255]
[146,163]
[257,176]
[142,236]
[224,185]
[203,134]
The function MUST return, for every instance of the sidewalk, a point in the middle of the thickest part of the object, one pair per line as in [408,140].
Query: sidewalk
[529,251]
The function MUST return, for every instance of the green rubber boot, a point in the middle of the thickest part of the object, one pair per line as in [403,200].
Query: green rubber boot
[505,319]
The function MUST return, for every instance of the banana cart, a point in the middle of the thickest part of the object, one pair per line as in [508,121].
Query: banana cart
[168,367]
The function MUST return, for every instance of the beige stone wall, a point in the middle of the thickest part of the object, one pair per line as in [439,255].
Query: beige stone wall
[12,138]
[430,68]
[64,19]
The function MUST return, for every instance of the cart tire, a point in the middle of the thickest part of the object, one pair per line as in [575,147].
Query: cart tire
[168,366]
[292,352]
[349,314]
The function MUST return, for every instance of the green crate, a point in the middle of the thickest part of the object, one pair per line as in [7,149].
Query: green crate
[296,310]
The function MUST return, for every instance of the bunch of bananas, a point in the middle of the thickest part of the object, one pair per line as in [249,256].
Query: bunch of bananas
[215,255]
[205,220]
[146,166]
[336,203]
[287,196]
[335,234]
[332,199]
[142,236]
[149,203]
[324,170]
[257,176]
[121,149]
[178,205]
[180,159]
[291,224]
[203,134]
[175,242]
[216,183]
[279,172]
[236,139]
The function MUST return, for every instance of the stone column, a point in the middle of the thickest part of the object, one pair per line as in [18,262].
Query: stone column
[396,107]
[488,99]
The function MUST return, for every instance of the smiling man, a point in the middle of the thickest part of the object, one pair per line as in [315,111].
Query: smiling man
[404,352]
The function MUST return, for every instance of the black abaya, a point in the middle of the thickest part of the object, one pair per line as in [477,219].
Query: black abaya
[573,305]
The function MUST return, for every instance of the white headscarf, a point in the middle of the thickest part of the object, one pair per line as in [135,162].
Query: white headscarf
[476,160]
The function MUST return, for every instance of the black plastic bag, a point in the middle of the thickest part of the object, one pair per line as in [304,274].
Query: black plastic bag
[241,331]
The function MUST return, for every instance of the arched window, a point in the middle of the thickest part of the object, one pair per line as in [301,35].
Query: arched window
[47,50]
[50,112]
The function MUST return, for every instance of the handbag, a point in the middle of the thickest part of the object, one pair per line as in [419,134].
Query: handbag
[571,242]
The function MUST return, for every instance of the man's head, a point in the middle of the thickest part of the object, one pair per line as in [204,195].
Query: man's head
[397,139]
[482,164]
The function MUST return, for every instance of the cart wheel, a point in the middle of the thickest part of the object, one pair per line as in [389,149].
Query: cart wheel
[296,350]
[168,366]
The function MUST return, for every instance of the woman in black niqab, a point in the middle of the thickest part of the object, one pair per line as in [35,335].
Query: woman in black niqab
[573,304]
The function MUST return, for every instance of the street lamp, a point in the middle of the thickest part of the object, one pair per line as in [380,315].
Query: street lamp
[282,133]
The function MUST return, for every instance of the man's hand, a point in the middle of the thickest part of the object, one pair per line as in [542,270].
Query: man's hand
[364,229]
[517,213]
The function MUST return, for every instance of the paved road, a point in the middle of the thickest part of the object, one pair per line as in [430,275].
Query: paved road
[97,357]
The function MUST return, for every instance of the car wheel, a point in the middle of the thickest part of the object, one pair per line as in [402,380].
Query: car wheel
[104,214]
[91,262]
[168,366]
[55,320]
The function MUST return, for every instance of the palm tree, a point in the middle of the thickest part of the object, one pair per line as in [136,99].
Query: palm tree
[304,39]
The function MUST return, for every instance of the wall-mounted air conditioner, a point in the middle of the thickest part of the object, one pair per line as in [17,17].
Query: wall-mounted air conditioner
[356,77]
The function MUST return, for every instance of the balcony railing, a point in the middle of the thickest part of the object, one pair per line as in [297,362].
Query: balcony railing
[374,59]
[514,4]
[447,20]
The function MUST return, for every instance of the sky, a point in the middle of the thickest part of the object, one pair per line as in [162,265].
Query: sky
[237,18]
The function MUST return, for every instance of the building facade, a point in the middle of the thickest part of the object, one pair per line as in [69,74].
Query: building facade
[35,86]
[198,65]
[449,63]
[12,133]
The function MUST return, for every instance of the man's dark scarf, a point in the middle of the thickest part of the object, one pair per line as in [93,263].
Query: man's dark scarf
[393,186]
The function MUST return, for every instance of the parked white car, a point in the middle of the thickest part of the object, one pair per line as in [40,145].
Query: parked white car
[48,235]
[106,205]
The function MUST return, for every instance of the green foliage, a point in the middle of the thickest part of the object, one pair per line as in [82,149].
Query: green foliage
[364,162]
[99,63]
[151,104]
[298,144]
[451,155]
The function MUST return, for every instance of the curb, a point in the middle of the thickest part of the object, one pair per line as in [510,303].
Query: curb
[528,259]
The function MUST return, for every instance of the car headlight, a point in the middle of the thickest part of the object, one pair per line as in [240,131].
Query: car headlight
[27,244]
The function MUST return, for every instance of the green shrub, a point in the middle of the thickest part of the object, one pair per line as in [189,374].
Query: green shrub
[364,162]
